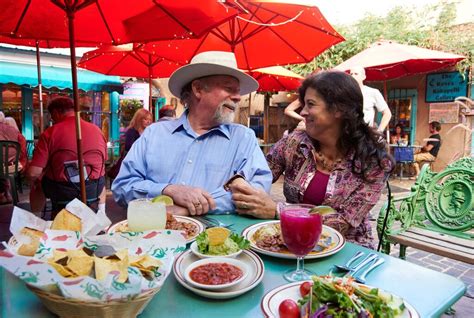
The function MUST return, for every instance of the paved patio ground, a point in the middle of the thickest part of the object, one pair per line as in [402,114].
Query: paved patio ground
[464,308]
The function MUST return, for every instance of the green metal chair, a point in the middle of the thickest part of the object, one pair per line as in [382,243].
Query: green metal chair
[9,158]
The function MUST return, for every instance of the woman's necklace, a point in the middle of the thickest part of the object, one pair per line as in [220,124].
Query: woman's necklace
[325,163]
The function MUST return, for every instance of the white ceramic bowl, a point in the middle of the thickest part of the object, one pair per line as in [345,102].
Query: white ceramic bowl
[195,250]
[241,265]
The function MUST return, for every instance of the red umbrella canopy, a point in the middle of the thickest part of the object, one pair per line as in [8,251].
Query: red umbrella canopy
[103,21]
[127,60]
[264,33]
[386,60]
[276,79]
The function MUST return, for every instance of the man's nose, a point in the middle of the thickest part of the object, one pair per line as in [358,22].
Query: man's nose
[235,97]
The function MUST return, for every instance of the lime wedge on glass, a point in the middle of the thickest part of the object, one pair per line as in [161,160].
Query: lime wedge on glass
[322,210]
[163,199]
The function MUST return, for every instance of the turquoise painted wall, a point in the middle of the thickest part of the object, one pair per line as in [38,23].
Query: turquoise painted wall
[114,118]
[27,110]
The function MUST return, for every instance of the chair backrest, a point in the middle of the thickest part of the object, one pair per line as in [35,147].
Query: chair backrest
[403,154]
[70,170]
[9,157]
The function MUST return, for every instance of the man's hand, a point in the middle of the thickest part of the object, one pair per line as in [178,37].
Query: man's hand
[251,201]
[196,200]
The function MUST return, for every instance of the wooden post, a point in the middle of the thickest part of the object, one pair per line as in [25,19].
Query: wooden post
[266,124]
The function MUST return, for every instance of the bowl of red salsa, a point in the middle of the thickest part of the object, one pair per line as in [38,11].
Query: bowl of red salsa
[216,273]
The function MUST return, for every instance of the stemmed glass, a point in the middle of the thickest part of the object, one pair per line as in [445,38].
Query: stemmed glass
[301,231]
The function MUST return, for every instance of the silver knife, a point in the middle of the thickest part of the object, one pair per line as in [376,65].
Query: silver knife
[361,278]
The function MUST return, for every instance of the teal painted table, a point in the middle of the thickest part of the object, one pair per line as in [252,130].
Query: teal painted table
[430,292]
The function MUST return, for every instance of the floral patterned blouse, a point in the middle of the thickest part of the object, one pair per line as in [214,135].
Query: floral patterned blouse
[346,192]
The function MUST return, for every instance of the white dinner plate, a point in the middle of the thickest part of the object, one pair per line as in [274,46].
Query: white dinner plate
[179,218]
[254,277]
[335,238]
[272,300]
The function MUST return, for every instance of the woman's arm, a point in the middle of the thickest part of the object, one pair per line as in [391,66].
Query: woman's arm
[290,110]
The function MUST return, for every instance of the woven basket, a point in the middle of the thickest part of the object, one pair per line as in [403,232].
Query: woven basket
[77,308]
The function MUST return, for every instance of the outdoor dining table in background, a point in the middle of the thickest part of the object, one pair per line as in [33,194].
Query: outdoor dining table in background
[431,293]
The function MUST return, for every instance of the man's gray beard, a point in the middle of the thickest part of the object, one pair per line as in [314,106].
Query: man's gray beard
[222,117]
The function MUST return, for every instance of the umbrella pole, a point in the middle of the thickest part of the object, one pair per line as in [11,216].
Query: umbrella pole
[150,98]
[266,124]
[77,114]
[40,87]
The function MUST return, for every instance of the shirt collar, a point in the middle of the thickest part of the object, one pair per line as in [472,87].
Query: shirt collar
[183,123]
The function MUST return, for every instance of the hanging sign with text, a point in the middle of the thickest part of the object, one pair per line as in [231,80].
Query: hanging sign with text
[444,113]
[445,87]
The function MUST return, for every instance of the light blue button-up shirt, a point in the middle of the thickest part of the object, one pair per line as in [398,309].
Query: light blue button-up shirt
[170,152]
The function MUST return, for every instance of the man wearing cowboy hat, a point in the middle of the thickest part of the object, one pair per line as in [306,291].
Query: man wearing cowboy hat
[191,158]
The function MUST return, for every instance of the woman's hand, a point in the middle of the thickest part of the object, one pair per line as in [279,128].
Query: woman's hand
[251,201]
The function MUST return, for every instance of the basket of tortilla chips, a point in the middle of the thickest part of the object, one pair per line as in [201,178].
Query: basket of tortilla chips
[75,308]
[79,275]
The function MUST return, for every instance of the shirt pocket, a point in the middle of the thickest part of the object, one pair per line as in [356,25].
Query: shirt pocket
[215,175]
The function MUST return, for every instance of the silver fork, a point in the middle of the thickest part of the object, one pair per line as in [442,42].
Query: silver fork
[210,222]
[375,263]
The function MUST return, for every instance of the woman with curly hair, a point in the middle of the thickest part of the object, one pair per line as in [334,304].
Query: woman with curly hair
[338,161]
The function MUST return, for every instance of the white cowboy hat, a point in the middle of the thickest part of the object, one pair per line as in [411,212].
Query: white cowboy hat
[207,64]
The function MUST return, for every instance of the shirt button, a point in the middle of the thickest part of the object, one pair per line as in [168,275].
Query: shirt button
[183,183]
[190,161]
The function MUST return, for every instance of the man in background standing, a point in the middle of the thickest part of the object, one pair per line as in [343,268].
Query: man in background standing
[372,100]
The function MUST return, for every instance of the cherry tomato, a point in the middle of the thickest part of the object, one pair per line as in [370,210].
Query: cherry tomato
[288,309]
[305,288]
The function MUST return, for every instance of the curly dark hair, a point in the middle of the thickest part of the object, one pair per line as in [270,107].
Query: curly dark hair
[342,93]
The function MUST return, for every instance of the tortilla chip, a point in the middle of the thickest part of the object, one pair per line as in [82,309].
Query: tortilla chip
[61,269]
[217,235]
[30,248]
[145,262]
[67,221]
[117,262]
[80,263]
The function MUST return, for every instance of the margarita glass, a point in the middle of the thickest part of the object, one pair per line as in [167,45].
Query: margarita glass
[301,231]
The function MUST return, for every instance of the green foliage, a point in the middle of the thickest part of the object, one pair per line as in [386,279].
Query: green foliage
[430,28]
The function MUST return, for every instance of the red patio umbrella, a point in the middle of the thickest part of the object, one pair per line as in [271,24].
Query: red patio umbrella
[128,60]
[276,79]
[264,33]
[386,60]
[100,21]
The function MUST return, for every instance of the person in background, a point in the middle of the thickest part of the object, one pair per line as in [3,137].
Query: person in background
[292,111]
[167,113]
[22,141]
[56,148]
[399,137]
[191,158]
[372,100]
[429,152]
[140,120]
[8,133]
[338,161]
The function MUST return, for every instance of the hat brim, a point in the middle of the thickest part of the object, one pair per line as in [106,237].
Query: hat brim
[188,73]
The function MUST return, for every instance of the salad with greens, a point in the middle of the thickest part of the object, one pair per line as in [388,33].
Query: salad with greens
[220,241]
[342,297]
